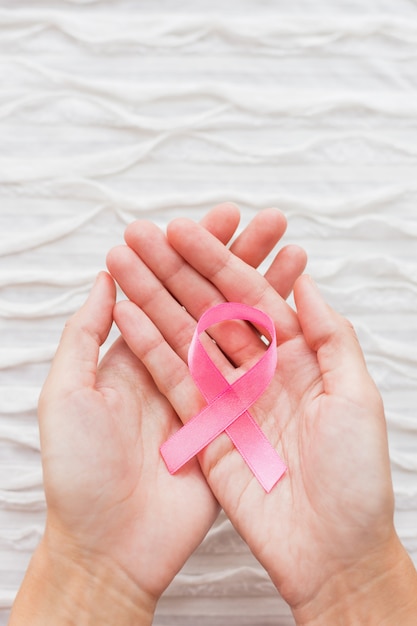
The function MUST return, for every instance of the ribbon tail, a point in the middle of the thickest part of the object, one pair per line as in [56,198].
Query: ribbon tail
[259,454]
[202,429]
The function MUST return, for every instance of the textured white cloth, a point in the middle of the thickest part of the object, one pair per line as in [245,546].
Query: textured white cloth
[112,110]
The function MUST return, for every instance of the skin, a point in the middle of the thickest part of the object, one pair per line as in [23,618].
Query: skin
[119,526]
[325,533]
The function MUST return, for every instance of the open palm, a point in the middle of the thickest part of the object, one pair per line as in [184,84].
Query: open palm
[107,489]
[320,404]
[108,492]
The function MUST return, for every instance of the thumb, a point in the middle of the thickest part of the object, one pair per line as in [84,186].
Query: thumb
[334,340]
[75,363]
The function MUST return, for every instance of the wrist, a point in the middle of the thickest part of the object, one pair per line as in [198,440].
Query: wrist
[379,590]
[63,587]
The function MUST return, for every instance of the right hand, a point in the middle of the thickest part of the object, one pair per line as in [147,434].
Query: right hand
[332,514]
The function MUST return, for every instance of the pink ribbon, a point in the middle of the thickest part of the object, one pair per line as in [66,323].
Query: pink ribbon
[228,403]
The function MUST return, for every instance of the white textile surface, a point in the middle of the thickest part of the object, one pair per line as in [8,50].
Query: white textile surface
[112,110]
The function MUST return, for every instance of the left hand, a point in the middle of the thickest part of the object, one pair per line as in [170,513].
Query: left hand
[107,488]
[108,494]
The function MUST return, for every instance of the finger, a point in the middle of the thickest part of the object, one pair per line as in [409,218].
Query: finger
[333,338]
[235,280]
[288,265]
[222,221]
[183,282]
[167,313]
[154,276]
[260,236]
[143,287]
[169,372]
[75,363]
[254,243]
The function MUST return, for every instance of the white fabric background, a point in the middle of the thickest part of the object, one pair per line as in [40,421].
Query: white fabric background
[112,110]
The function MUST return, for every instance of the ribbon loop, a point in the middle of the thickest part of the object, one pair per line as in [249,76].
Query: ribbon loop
[227,408]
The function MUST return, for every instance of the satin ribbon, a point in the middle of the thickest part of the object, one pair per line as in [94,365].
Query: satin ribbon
[228,403]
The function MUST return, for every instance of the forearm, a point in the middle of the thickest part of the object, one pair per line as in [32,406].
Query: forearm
[62,591]
[372,593]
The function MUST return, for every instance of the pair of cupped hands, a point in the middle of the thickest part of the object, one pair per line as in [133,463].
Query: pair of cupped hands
[112,506]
